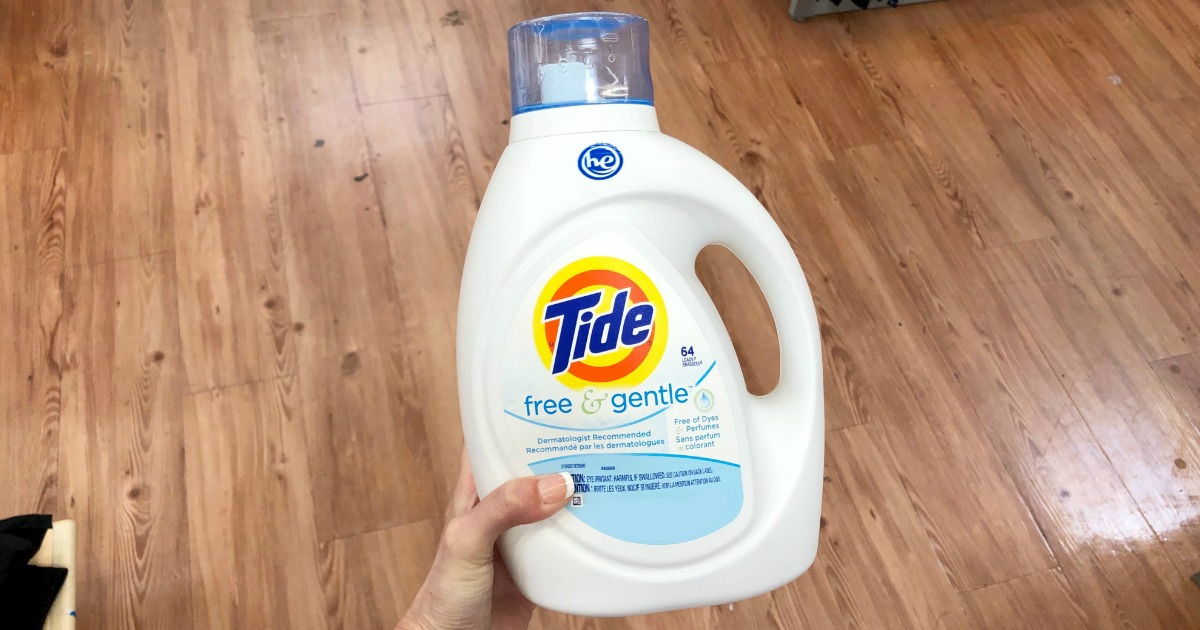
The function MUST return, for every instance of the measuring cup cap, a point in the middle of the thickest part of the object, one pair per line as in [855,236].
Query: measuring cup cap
[579,59]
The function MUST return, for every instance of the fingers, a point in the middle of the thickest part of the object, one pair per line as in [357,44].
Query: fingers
[471,536]
[465,496]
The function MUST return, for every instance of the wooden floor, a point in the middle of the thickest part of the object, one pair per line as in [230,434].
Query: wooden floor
[231,234]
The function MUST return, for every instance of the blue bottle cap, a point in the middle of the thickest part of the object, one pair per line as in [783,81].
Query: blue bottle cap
[579,59]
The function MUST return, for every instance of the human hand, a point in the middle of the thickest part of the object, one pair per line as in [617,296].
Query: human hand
[468,585]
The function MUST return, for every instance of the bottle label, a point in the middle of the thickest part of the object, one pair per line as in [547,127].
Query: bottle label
[607,375]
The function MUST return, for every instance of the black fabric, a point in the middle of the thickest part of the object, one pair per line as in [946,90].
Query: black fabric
[20,538]
[26,601]
[26,593]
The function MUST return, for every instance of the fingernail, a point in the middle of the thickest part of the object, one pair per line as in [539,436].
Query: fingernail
[555,488]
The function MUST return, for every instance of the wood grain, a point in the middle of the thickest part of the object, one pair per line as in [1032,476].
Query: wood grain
[895,580]
[118,158]
[1181,376]
[367,442]
[122,443]
[282,9]
[31,327]
[471,41]
[1082,504]
[233,291]
[33,76]
[1000,523]
[1125,406]
[428,204]
[1038,600]
[1160,313]
[248,496]
[232,233]
[360,591]
[392,50]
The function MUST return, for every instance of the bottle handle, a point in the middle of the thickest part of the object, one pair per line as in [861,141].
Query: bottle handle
[787,425]
[751,234]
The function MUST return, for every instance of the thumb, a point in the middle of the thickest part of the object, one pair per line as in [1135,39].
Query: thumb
[471,537]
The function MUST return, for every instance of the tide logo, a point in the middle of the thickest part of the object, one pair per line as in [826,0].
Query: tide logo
[600,161]
[600,321]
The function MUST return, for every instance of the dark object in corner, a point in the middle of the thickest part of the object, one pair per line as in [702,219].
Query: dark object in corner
[26,592]
[803,9]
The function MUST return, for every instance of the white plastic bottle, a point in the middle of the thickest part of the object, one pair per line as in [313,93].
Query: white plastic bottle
[587,345]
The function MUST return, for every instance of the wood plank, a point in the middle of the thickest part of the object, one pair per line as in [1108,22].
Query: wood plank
[1063,476]
[31,310]
[1176,123]
[748,135]
[683,98]
[1131,163]
[1065,479]
[827,74]
[1038,600]
[392,50]
[428,203]
[1091,242]
[975,215]
[33,72]
[1088,514]
[1039,260]
[851,398]
[362,592]
[933,302]
[1171,24]
[1181,376]
[281,9]
[1092,220]
[121,453]
[1161,314]
[367,443]
[252,537]
[937,112]
[719,32]
[118,157]
[876,567]
[1124,404]
[471,41]
[966,54]
[1117,37]
[233,294]
[1005,376]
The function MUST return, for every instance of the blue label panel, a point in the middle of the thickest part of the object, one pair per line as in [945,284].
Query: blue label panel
[651,498]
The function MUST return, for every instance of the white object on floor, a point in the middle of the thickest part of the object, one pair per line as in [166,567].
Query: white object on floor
[58,550]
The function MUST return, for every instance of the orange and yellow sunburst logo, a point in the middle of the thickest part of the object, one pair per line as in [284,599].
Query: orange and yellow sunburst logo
[600,321]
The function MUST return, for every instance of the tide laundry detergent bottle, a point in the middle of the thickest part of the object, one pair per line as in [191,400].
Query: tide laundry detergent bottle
[587,345]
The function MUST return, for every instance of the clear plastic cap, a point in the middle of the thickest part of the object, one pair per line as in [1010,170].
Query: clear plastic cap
[579,59]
